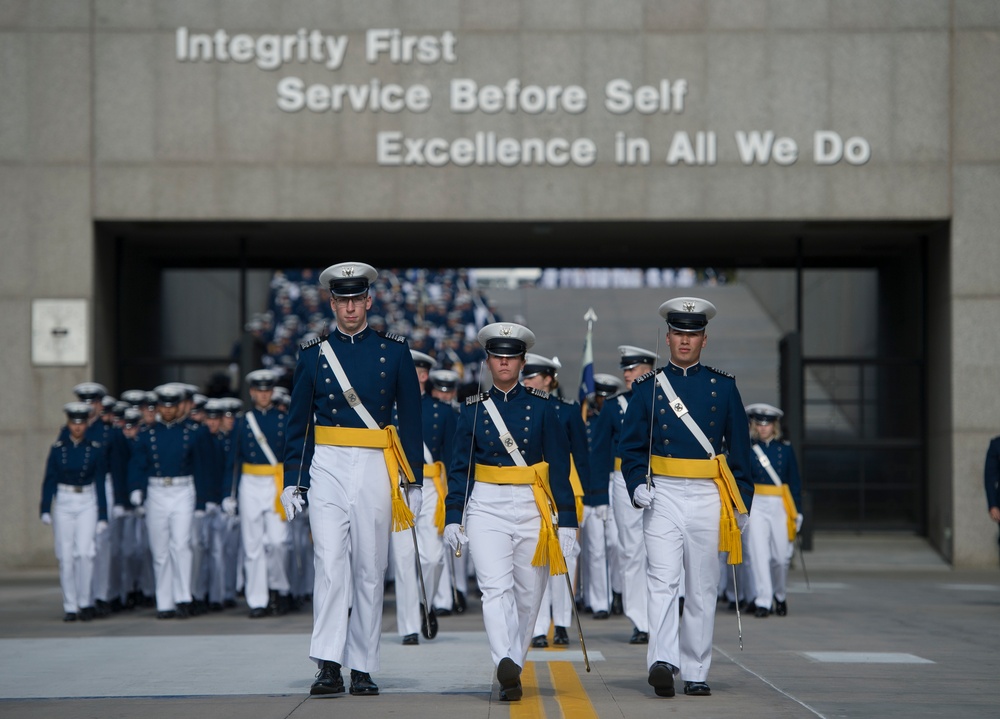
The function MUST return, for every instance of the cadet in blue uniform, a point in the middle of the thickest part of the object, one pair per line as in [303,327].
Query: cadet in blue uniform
[599,532]
[991,476]
[232,544]
[453,582]
[343,394]
[438,422]
[74,478]
[776,518]
[557,604]
[256,456]
[698,499]
[521,479]
[167,478]
[606,457]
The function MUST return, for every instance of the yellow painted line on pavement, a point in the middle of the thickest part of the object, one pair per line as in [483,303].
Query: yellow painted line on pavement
[572,697]
[530,706]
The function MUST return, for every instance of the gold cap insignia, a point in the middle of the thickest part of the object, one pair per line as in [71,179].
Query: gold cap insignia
[348,272]
[506,330]
[689,306]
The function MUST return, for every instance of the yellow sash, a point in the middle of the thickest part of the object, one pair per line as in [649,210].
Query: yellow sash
[395,461]
[437,473]
[537,475]
[574,481]
[268,470]
[716,469]
[773,490]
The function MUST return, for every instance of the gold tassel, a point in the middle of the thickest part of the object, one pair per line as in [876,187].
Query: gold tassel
[541,558]
[439,517]
[557,564]
[402,517]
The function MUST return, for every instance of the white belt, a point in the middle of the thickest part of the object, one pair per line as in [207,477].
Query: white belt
[171,481]
[76,488]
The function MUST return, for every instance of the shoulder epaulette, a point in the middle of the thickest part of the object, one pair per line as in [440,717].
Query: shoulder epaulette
[538,392]
[567,400]
[392,336]
[473,398]
[312,343]
[719,371]
[644,377]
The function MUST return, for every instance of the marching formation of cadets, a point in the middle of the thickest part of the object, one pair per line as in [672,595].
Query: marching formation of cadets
[642,497]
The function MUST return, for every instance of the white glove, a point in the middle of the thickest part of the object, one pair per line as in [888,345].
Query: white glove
[454,537]
[642,497]
[229,506]
[117,511]
[291,502]
[742,521]
[601,512]
[135,498]
[798,522]
[211,508]
[102,526]
[567,542]
[414,497]
[46,518]
[199,514]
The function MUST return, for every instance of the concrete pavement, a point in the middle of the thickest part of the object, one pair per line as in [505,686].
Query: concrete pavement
[885,629]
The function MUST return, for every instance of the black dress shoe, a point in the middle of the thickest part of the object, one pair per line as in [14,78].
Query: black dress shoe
[215,607]
[116,605]
[697,689]
[539,642]
[184,610]
[362,684]
[601,615]
[229,604]
[258,613]
[509,676]
[561,638]
[86,614]
[439,612]
[411,640]
[761,612]
[639,637]
[69,617]
[167,614]
[282,605]
[101,608]
[661,678]
[328,679]
[617,608]
[780,608]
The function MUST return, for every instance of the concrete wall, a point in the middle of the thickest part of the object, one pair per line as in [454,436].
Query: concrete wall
[100,121]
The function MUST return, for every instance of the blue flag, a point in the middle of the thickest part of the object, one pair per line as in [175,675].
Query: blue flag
[587,373]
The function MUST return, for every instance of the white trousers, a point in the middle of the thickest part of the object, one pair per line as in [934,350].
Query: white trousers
[557,602]
[108,553]
[265,537]
[74,524]
[682,546]
[169,513]
[430,543]
[632,553]
[769,549]
[350,513]
[596,536]
[502,523]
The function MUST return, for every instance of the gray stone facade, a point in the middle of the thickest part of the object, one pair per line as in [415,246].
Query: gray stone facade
[100,121]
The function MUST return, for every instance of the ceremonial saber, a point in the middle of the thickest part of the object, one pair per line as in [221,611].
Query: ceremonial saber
[652,415]
[802,558]
[579,625]
[429,626]
[739,619]
[299,491]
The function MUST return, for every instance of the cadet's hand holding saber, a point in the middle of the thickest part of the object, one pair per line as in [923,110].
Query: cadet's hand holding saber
[291,497]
